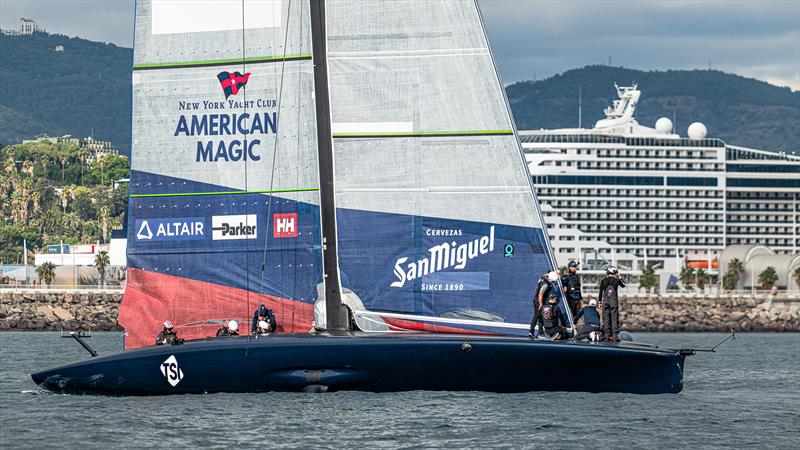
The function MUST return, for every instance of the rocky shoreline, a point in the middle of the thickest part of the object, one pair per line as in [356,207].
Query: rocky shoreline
[69,310]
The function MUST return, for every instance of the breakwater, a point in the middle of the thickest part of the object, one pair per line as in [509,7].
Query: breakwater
[54,310]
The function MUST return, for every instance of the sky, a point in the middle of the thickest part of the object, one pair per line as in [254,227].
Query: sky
[540,38]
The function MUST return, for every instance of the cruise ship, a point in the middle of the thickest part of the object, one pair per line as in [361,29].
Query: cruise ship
[626,194]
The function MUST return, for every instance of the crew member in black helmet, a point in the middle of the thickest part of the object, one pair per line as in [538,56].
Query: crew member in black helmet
[264,314]
[553,319]
[572,284]
[609,298]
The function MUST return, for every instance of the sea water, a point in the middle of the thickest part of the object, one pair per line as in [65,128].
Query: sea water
[745,395]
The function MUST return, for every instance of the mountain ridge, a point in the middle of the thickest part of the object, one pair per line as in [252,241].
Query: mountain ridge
[86,89]
[741,111]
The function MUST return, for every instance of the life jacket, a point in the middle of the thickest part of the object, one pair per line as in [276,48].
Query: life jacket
[610,294]
[549,315]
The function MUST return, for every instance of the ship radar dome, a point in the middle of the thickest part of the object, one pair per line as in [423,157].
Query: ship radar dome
[697,131]
[664,125]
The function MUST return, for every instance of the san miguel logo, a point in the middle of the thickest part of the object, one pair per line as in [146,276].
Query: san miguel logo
[443,256]
[232,82]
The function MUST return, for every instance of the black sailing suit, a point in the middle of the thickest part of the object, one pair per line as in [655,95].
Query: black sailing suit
[609,297]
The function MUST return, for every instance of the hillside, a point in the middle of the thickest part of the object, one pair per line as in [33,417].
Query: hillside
[741,111]
[89,86]
[85,87]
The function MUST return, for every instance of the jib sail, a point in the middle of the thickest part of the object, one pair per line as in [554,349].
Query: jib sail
[438,225]
[224,209]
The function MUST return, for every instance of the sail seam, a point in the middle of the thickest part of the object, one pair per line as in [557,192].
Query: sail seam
[190,194]
[223,62]
[392,134]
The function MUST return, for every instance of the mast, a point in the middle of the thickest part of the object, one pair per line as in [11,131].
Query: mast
[335,313]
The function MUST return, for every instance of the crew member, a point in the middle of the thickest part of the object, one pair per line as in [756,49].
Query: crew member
[229,329]
[609,296]
[553,319]
[263,327]
[542,292]
[572,284]
[168,335]
[264,314]
[591,321]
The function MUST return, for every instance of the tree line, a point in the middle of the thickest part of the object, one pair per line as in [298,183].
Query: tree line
[53,192]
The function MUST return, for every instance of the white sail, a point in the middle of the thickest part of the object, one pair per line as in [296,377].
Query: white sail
[437,221]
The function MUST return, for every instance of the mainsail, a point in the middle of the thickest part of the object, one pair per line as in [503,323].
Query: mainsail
[224,201]
[437,221]
[438,226]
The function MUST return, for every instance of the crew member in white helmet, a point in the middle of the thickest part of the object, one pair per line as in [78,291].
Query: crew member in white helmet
[229,329]
[168,335]
[609,296]
[542,292]
[263,327]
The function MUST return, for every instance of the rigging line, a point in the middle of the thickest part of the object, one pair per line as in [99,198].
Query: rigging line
[297,146]
[275,147]
[246,241]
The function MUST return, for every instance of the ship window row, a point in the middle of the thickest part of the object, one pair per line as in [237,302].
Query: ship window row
[733,195]
[624,165]
[660,229]
[766,168]
[623,180]
[760,230]
[772,242]
[654,240]
[773,218]
[756,207]
[733,154]
[764,182]
[606,139]
[561,203]
[641,217]
[622,192]
[653,153]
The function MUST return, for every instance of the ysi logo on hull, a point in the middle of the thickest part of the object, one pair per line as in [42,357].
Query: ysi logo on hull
[171,371]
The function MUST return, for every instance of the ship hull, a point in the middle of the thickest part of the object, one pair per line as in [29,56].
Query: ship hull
[373,362]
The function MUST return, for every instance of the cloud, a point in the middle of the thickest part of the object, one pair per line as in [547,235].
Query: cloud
[759,39]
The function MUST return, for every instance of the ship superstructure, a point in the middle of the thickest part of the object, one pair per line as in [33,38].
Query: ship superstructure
[626,194]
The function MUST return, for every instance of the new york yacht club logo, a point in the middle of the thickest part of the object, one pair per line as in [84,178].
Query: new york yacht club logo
[232,82]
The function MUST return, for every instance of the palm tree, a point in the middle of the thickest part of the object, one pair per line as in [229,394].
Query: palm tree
[101,261]
[768,277]
[46,272]
[796,275]
[736,267]
[701,277]
[687,277]
[648,280]
[729,281]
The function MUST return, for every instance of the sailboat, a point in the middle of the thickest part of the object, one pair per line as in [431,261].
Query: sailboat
[354,166]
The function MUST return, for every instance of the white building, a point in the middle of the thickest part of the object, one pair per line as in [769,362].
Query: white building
[626,194]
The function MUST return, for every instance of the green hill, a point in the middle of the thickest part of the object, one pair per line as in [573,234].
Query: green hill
[86,87]
[741,111]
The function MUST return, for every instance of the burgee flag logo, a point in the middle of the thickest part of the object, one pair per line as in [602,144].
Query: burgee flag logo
[232,82]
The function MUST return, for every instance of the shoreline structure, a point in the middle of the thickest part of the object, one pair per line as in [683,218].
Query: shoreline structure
[97,310]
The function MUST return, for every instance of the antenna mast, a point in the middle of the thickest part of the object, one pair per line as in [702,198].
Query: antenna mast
[336,316]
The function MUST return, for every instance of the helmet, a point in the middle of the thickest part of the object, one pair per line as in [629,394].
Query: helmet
[573,264]
[233,325]
[263,325]
[593,302]
[552,277]
[612,269]
[262,310]
[167,324]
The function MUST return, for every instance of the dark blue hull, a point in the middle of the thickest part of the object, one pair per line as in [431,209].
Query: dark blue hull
[373,362]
